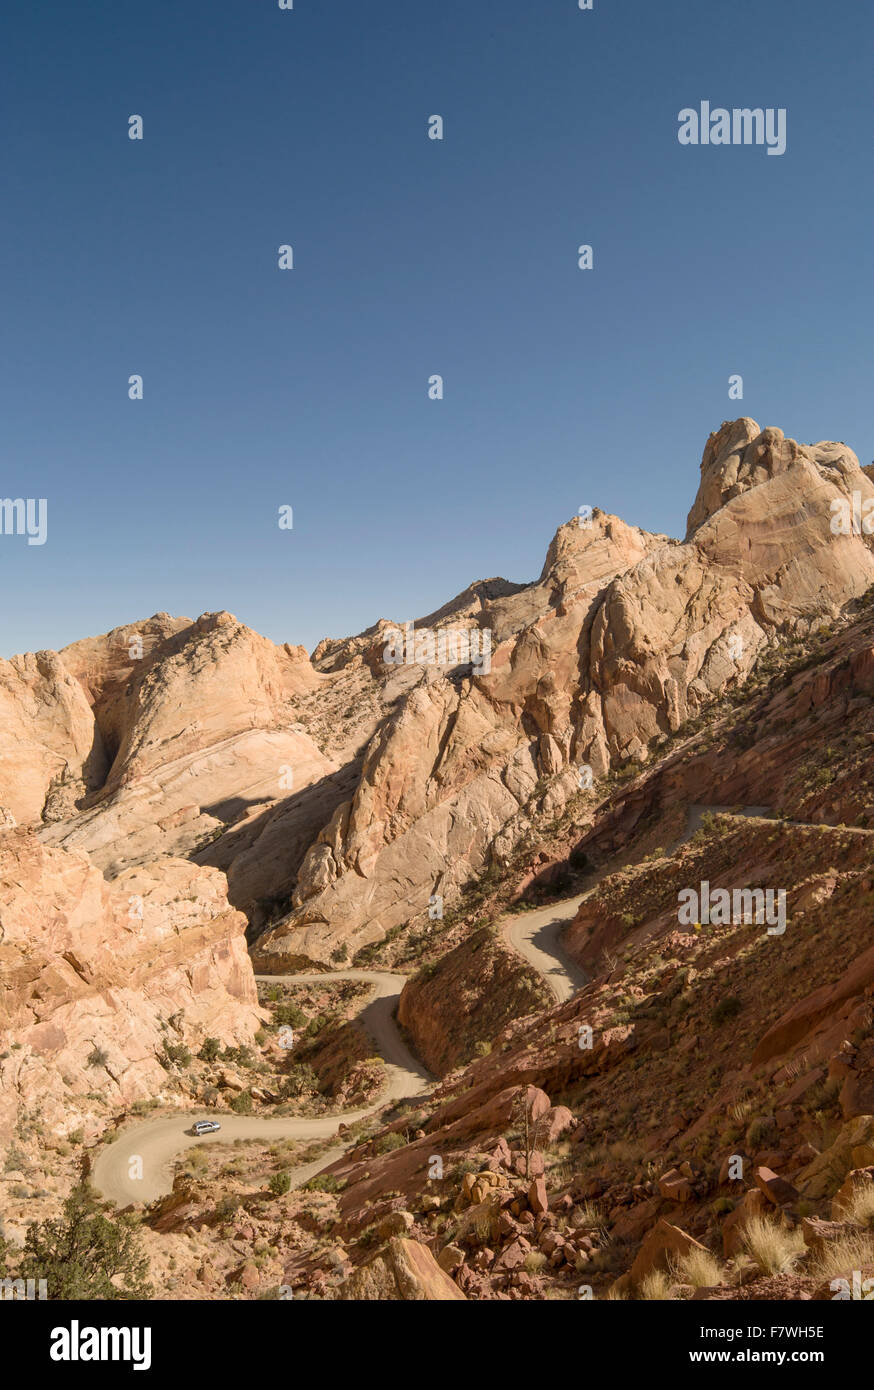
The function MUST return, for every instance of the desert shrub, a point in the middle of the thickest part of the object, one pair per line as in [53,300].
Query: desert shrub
[762,1128]
[86,1255]
[387,1142]
[279,1184]
[324,1182]
[242,1103]
[174,1055]
[317,1024]
[144,1105]
[291,1015]
[210,1050]
[300,1080]
[727,1008]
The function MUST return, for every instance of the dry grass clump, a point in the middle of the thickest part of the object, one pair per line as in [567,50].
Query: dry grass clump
[859,1207]
[654,1287]
[841,1257]
[773,1248]
[696,1267]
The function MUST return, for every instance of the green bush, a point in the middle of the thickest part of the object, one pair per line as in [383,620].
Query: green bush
[174,1055]
[727,1008]
[300,1080]
[324,1182]
[86,1255]
[290,1015]
[387,1142]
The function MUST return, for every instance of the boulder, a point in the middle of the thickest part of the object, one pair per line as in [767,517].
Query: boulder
[753,1203]
[451,1258]
[513,1256]
[477,1186]
[664,1243]
[775,1188]
[633,1223]
[556,1122]
[675,1186]
[852,1148]
[859,1177]
[820,1233]
[405,1270]
[397,1223]
[537,1198]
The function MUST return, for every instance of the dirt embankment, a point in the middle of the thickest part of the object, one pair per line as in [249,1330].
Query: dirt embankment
[453,1009]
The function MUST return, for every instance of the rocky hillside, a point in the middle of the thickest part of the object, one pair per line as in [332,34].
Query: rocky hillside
[653,715]
[699,1119]
[339,794]
[98,980]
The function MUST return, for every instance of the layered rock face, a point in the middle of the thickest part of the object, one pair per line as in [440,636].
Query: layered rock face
[625,636]
[47,733]
[339,794]
[201,732]
[95,978]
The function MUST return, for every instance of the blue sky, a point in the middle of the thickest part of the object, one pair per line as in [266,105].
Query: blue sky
[309,387]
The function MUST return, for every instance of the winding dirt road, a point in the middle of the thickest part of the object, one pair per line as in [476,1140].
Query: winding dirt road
[137,1167]
[536,935]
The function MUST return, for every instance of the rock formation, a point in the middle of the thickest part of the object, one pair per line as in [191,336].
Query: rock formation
[96,977]
[339,794]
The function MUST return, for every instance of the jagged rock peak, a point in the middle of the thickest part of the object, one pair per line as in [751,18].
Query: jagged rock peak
[739,456]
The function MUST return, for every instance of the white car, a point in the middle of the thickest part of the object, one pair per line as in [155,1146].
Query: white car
[206,1126]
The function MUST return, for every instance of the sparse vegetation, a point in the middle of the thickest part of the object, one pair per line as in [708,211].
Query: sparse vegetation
[771,1246]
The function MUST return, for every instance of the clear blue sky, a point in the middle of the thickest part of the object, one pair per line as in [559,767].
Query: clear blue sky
[412,257]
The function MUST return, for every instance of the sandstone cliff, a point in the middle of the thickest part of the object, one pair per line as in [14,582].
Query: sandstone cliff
[624,638]
[339,794]
[94,978]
